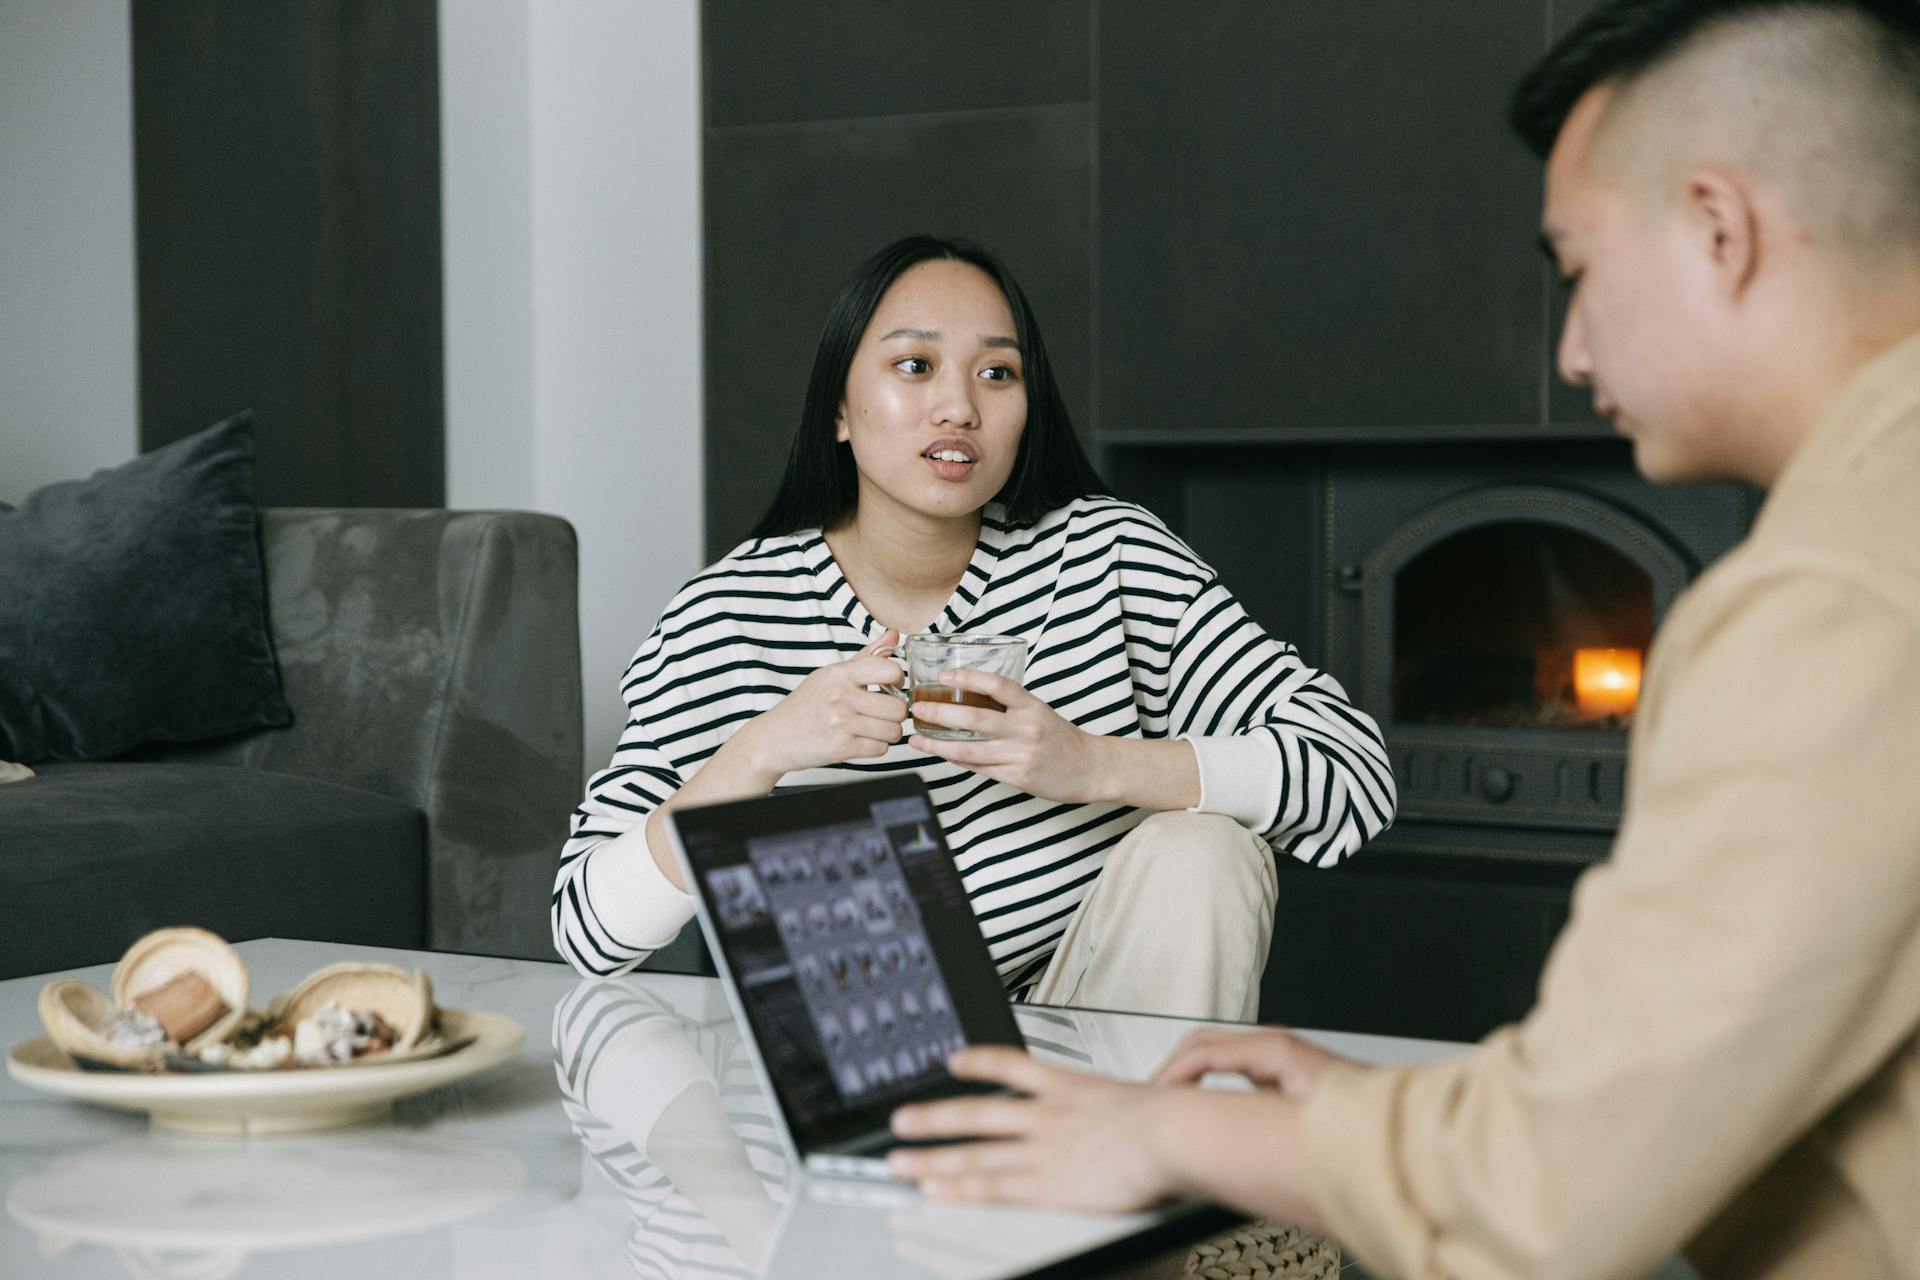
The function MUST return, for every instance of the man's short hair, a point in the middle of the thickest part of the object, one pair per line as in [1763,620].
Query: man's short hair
[1822,97]
[1623,39]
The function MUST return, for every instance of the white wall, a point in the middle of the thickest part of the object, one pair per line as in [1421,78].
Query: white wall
[570,135]
[68,389]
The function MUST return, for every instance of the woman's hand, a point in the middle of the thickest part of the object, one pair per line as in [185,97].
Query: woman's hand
[1032,747]
[833,716]
[1075,1142]
[1271,1058]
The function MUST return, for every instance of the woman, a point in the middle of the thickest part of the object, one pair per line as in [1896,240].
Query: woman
[1116,830]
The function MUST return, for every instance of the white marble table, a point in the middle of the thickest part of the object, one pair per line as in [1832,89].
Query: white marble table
[628,1137]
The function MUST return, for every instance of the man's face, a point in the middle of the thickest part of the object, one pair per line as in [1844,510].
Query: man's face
[1641,323]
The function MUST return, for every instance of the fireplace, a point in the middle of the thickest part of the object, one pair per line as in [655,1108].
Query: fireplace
[1497,625]
[1490,601]
[1476,613]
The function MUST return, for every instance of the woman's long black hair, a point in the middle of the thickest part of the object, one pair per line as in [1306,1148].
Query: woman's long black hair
[820,487]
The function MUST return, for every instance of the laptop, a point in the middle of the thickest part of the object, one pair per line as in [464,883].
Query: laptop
[850,954]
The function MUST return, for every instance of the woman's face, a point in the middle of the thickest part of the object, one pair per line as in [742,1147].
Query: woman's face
[936,396]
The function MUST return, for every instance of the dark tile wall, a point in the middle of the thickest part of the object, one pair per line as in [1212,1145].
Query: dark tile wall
[792,208]
[834,128]
[1259,223]
[1383,947]
[855,59]
[1310,216]
[1565,403]
[287,165]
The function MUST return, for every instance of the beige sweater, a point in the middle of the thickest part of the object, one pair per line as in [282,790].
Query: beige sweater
[1723,1055]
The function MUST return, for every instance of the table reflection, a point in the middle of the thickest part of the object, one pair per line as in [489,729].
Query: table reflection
[667,1103]
[670,1111]
[183,1206]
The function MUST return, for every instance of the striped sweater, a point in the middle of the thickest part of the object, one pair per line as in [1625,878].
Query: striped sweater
[1130,634]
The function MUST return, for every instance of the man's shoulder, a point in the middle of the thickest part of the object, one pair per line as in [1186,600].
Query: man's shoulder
[1856,531]
[1805,568]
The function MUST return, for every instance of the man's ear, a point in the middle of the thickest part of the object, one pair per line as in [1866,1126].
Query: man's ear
[1721,212]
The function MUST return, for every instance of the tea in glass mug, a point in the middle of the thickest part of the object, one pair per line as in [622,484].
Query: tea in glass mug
[930,654]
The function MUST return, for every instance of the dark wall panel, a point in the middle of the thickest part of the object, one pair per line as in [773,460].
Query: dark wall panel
[1259,525]
[830,59]
[791,210]
[1387,946]
[288,234]
[1566,14]
[1309,216]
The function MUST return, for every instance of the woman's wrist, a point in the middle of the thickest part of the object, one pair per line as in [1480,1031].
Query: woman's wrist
[1158,774]
[735,772]
[660,848]
[743,762]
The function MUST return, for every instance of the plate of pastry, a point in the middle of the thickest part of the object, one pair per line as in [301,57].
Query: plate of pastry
[175,1035]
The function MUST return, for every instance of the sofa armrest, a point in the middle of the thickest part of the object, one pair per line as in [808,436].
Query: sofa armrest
[434,656]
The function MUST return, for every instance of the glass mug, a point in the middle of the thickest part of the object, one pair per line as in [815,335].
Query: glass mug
[929,653]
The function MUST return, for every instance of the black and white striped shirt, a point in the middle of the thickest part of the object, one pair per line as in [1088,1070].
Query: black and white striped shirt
[1130,635]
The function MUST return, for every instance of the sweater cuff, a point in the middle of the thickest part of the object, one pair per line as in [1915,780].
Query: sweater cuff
[1352,1179]
[1239,777]
[631,896]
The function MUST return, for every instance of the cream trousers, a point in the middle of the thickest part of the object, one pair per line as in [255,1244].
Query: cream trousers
[1178,922]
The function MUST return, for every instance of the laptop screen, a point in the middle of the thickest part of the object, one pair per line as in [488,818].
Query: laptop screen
[851,944]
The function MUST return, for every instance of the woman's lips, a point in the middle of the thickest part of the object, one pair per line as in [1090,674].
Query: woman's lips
[950,470]
[950,459]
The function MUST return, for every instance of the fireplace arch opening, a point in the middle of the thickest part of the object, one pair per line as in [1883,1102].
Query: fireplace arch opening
[1520,624]
[1506,631]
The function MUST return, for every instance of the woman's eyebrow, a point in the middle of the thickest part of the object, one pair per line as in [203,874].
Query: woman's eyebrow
[929,335]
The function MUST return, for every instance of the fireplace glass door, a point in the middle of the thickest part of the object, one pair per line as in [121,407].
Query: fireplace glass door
[1506,631]
[1492,625]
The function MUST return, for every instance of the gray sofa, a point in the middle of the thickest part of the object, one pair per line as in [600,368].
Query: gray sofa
[432,661]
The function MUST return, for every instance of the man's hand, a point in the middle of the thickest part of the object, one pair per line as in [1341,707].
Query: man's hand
[1270,1057]
[1081,1142]
[1075,1142]
[1033,748]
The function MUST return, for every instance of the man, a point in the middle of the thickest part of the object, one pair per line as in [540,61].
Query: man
[1725,1053]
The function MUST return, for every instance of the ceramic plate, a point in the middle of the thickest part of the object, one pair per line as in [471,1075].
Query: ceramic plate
[236,1102]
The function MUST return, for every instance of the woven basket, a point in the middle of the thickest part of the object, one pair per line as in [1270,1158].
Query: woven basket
[1265,1250]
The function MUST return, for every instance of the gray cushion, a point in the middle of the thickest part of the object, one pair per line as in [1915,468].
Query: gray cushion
[134,610]
[95,855]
